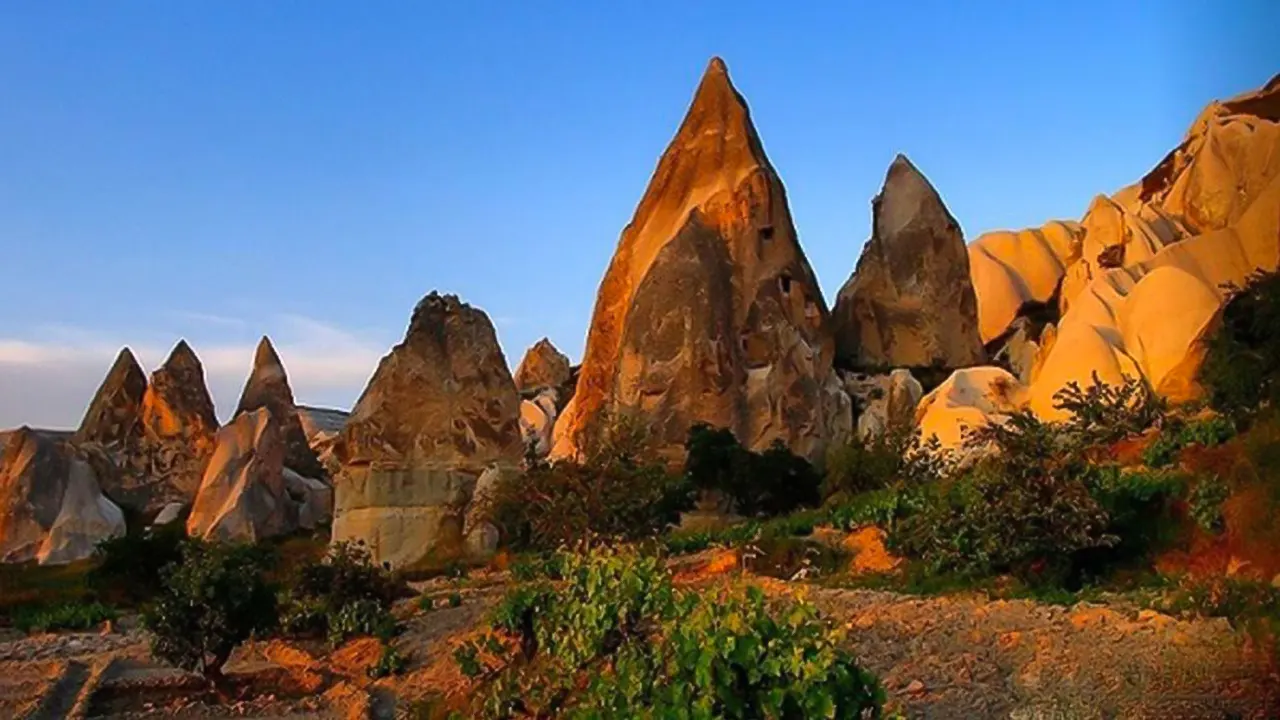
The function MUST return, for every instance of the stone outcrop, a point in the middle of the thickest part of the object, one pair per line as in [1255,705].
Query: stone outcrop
[709,310]
[162,459]
[1013,270]
[268,387]
[968,399]
[1149,317]
[243,496]
[537,420]
[314,498]
[884,402]
[115,412]
[322,426]
[51,509]
[439,410]
[910,301]
[543,366]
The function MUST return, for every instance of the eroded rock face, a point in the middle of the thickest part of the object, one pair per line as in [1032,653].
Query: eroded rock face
[543,366]
[243,496]
[969,399]
[537,420]
[884,401]
[116,409]
[268,387]
[164,461]
[440,408]
[1012,270]
[51,509]
[709,310]
[910,301]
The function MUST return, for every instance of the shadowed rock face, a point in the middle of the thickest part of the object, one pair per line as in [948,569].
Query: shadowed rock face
[440,408]
[543,366]
[268,387]
[116,409]
[910,301]
[243,495]
[51,508]
[709,310]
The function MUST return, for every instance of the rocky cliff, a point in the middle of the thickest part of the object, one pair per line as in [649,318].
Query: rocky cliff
[709,310]
[268,387]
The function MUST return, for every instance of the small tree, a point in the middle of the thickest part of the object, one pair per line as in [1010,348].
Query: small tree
[213,600]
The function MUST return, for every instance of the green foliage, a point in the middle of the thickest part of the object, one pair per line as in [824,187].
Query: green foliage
[130,567]
[212,600]
[390,662]
[1242,365]
[69,616]
[455,599]
[1139,507]
[342,596]
[617,640]
[773,482]
[897,455]
[1177,434]
[551,505]
[1104,413]
[1205,503]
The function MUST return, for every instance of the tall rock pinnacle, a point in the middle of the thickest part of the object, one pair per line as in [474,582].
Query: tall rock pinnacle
[910,301]
[115,411]
[268,387]
[709,310]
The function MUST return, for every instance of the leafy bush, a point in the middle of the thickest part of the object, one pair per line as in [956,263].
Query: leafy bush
[1242,365]
[68,616]
[130,567]
[551,505]
[390,662]
[1140,514]
[1205,503]
[1176,435]
[1104,413]
[617,640]
[212,600]
[863,465]
[773,482]
[342,596]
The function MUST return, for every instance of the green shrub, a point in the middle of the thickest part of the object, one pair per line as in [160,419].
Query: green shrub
[212,600]
[1104,413]
[1205,503]
[343,595]
[1243,360]
[773,482]
[1140,515]
[1176,435]
[618,640]
[551,505]
[390,662]
[898,455]
[130,567]
[455,599]
[68,616]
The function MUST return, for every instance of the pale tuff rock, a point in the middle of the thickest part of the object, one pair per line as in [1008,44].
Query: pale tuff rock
[884,401]
[440,408]
[243,496]
[969,399]
[910,301]
[168,514]
[709,311]
[537,420]
[114,413]
[1014,269]
[314,498]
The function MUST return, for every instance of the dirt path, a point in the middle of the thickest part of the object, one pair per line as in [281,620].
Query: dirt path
[970,657]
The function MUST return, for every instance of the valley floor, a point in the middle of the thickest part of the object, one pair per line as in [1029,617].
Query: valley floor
[957,656]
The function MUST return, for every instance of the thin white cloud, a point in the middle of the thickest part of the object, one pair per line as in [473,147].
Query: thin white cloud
[48,380]
[223,321]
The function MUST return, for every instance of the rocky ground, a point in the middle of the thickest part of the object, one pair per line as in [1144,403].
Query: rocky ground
[938,657]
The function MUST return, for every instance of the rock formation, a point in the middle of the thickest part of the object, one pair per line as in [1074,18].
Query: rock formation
[322,426]
[268,387]
[970,398]
[884,401]
[910,301]
[314,498]
[440,408]
[1142,278]
[543,366]
[537,421]
[114,413]
[709,310]
[242,496]
[158,456]
[51,509]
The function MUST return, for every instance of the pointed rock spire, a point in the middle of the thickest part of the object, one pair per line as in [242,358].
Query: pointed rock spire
[177,401]
[268,387]
[910,301]
[114,412]
[708,283]
[543,366]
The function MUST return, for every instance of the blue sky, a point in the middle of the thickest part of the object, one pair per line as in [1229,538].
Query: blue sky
[310,169]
